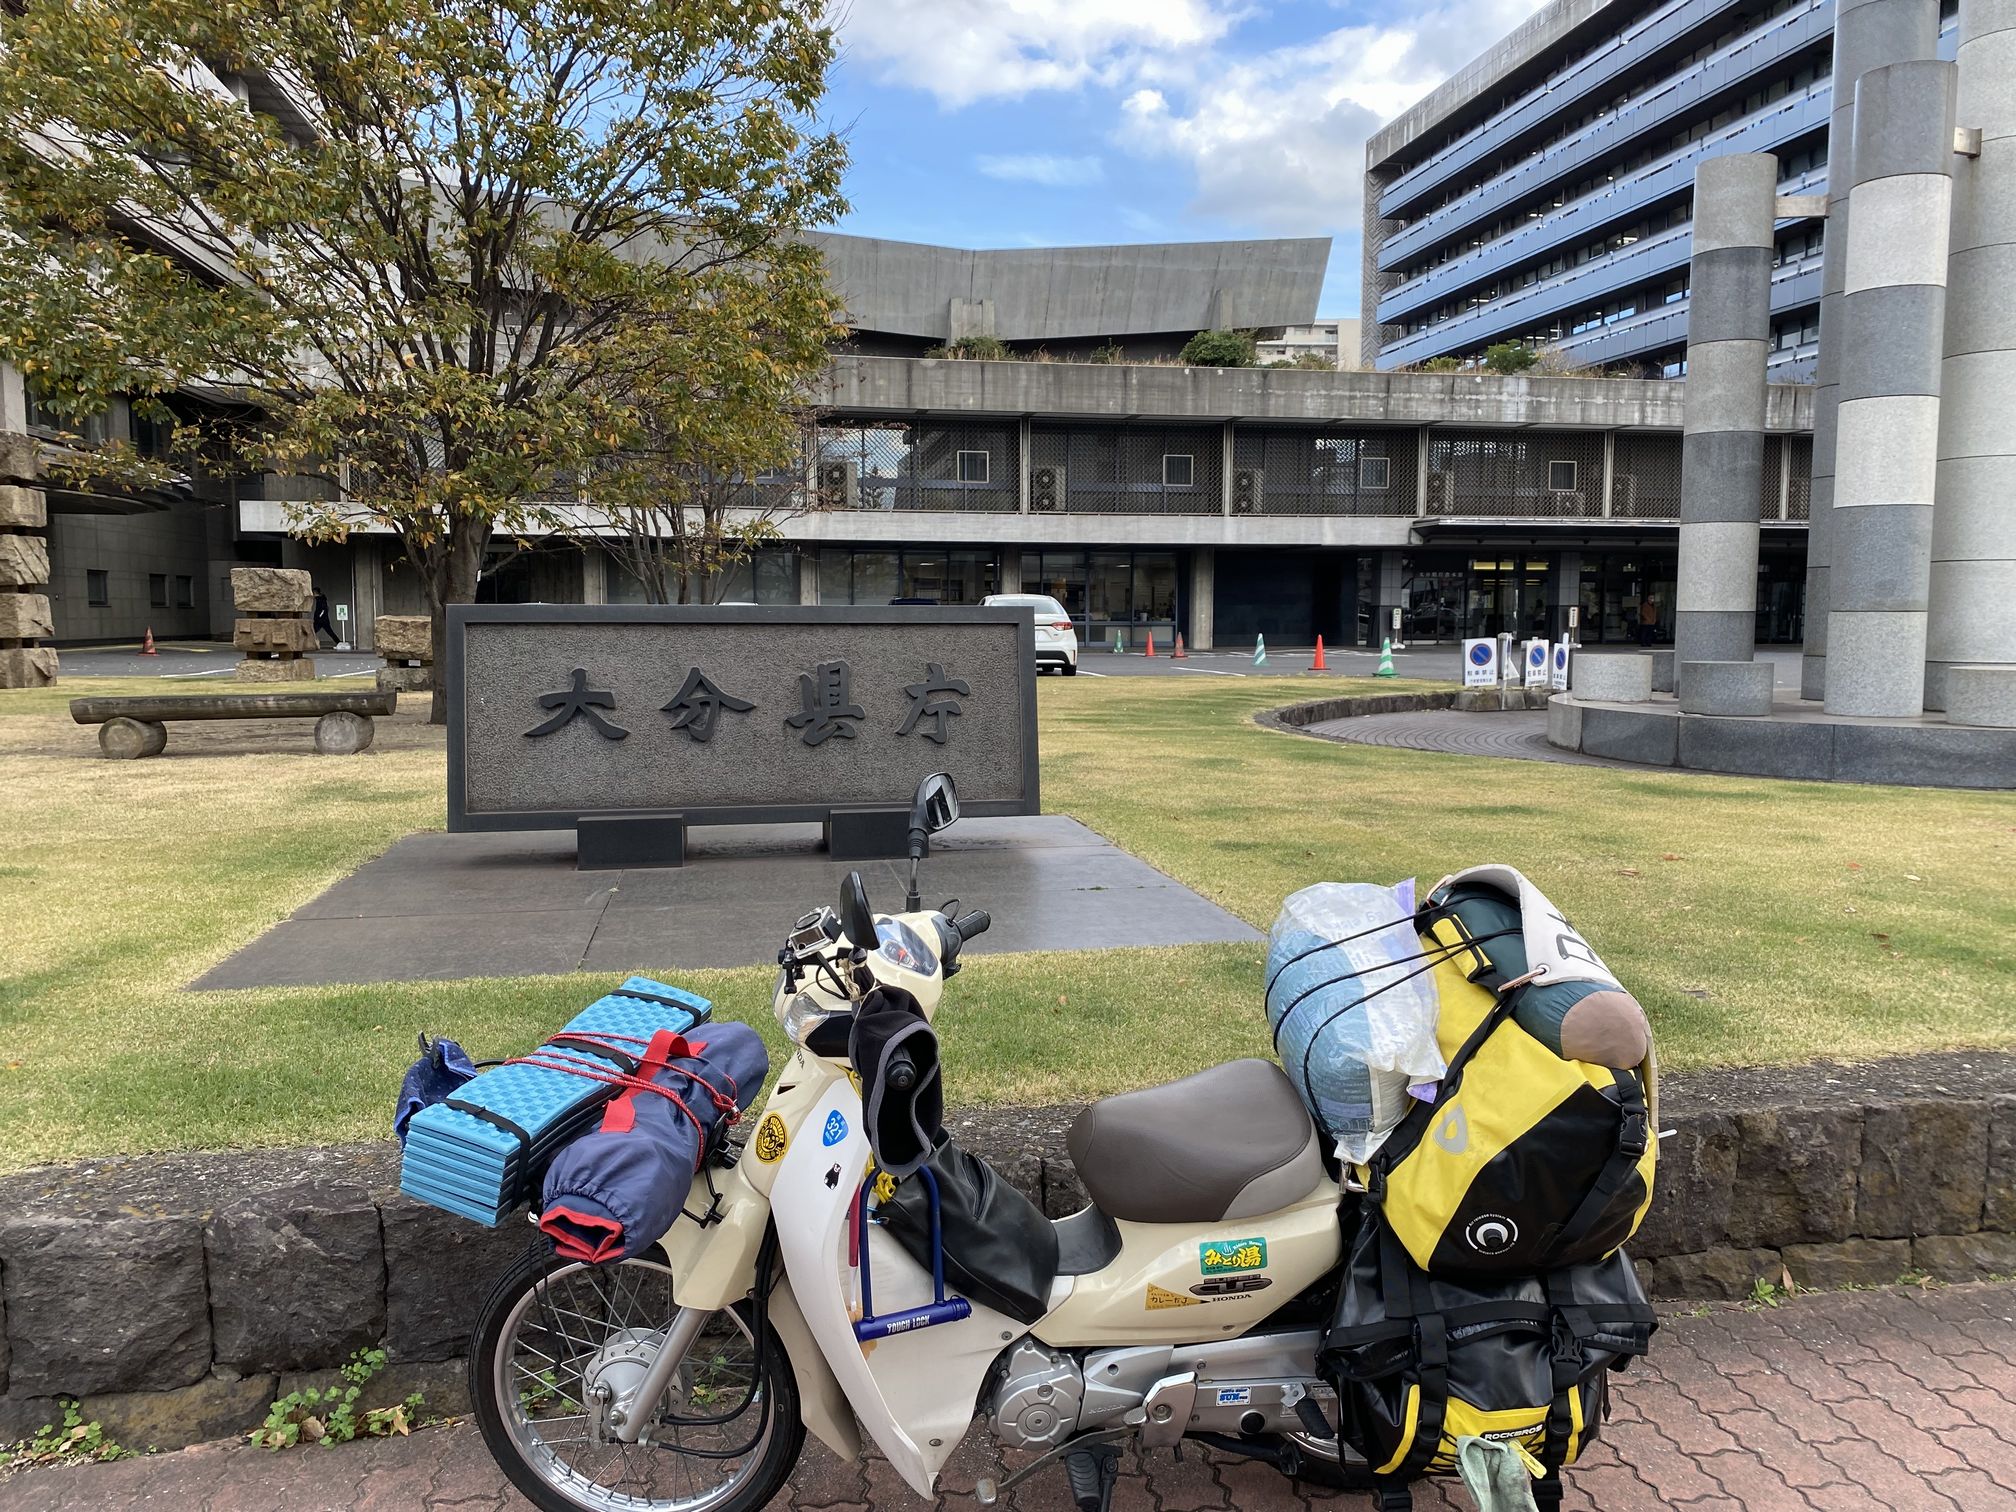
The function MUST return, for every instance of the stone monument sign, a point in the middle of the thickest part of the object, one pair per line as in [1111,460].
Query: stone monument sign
[629,723]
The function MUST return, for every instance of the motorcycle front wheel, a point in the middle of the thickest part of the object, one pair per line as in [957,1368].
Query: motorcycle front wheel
[552,1332]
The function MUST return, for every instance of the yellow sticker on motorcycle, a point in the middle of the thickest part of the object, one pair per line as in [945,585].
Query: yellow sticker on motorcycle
[772,1139]
[1161,1297]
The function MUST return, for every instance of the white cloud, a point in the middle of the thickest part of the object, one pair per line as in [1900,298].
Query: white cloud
[1047,169]
[967,50]
[1277,140]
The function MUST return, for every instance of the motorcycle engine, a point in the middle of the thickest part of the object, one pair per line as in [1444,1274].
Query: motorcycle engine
[1037,1397]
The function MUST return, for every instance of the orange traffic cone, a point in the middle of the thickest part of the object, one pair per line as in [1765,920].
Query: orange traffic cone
[1151,644]
[1179,654]
[147,645]
[1319,665]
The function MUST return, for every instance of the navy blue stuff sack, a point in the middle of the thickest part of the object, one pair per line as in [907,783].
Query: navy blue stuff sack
[438,1075]
[613,1193]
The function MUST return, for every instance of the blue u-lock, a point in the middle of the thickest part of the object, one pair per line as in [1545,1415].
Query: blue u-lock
[940,1309]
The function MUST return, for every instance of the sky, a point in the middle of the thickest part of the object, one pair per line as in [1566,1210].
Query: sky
[1015,123]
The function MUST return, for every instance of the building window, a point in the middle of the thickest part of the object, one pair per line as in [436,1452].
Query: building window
[185,593]
[157,590]
[1561,477]
[973,467]
[1375,474]
[1179,470]
[98,588]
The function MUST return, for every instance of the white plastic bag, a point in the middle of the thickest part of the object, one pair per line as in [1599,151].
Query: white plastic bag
[1352,1008]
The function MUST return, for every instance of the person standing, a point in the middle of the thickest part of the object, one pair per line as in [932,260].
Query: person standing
[322,625]
[1648,619]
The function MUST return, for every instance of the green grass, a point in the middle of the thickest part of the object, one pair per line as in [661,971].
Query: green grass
[1798,921]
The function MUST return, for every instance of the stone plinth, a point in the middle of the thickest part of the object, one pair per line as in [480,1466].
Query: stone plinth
[24,561]
[1612,678]
[20,457]
[272,590]
[277,669]
[404,637]
[1726,687]
[27,667]
[1663,664]
[1981,696]
[274,637]
[400,678]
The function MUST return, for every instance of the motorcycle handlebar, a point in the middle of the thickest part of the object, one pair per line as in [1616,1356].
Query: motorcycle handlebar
[974,923]
[900,1072]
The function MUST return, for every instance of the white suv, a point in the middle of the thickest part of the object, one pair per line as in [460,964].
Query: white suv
[1056,637]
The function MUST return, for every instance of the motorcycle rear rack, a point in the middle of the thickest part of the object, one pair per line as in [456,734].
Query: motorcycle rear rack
[940,1309]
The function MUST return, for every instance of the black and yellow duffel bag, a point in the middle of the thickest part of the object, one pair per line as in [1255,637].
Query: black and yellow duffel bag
[1527,1159]
[1422,1361]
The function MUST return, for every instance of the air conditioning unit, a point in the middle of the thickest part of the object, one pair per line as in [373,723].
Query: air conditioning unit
[1571,503]
[1249,490]
[1624,496]
[839,485]
[1046,489]
[1438,493]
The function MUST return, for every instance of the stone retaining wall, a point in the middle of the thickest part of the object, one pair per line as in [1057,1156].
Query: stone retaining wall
[178,1295]
[1357,706]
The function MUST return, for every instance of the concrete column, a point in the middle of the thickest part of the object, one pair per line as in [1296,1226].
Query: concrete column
[1011,569]
[1973,590]
[594,575]
[1022,465]
[808,575]
[1227,442]
[1392,583]
[1886,453]
[1722,451]
[367,590]
[1609,469]
[1867,33]
[1203,598]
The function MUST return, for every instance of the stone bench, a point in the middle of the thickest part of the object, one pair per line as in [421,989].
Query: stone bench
[137,726]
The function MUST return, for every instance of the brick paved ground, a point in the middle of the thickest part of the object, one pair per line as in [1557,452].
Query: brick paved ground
[1891,1401]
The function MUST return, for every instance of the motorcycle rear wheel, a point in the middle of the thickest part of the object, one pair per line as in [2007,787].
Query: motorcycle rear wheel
[538,1342]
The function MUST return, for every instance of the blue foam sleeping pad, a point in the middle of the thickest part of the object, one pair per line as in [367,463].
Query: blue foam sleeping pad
[613,1193]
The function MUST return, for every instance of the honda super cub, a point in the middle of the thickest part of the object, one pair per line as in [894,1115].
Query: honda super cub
[808,1288]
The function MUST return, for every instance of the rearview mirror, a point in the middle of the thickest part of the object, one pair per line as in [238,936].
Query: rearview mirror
[936,804]
[857,919]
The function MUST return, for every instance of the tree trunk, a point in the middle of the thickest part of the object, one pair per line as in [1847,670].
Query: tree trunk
[451,575]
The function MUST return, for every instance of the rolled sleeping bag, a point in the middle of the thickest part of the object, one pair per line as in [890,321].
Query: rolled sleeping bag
[612,1194]
[1577,1020]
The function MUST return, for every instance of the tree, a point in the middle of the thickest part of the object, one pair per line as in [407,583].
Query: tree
[1442,364]
[1220,349]
[469,248]
[1509,357]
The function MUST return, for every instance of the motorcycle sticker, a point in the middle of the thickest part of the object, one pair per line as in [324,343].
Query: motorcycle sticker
[772,1139]
[1226,1256]
[1235,1396]
[836,1129]
[1230,1286]
[1161,1297]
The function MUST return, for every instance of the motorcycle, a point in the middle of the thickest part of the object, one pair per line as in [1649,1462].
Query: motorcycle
[1187,1300]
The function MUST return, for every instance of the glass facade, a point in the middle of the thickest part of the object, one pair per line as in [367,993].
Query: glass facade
[915,573]
[1129,592]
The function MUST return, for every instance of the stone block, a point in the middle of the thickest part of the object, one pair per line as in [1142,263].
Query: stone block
[22,508]
[1717,1275]
[274,636]
[1998,1210]
[1981,696]
[25,616]
[27,667]
[1643,735]
[1480,700]
[1797,1170]
[321,1245]
[25,1416]
[403,637]
[1663,673]
[24,561]
[20,457]
[1758,747]
[438,1270]
[1564,724]
[1852,1262]
[216,1407]
[298,669]
[405,679]
[1738,688]
[1928,755]
[1692,1192]
[1612,677]
[1965,1257]
[104,1304]
[1924,1168]
[272,590]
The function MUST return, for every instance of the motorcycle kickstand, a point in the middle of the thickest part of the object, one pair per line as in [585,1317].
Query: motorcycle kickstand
[1093,1474]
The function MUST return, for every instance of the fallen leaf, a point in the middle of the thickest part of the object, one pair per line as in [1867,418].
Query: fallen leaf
[1062,1000]
[1670,856]
[1629,871]
[1696,992]
[312,1430]
[1854,866]
[1875,936]
[1909,878]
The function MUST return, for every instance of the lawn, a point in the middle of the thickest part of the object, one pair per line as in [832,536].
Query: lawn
[1759,921]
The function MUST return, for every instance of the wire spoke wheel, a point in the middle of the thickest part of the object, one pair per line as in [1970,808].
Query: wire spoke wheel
[560,1345]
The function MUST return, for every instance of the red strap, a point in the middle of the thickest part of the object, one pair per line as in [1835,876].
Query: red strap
[581,1236]
[620,1117]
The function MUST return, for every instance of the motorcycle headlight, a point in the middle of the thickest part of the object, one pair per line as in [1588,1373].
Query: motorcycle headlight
[804,1013]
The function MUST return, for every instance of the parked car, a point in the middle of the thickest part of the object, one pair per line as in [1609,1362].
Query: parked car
[1056,636]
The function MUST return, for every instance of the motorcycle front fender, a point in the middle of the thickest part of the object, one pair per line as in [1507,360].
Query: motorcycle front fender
[715,1267]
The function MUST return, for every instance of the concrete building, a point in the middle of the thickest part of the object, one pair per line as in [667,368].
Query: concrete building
[1148,497]
[1544,193]
[1333,342]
